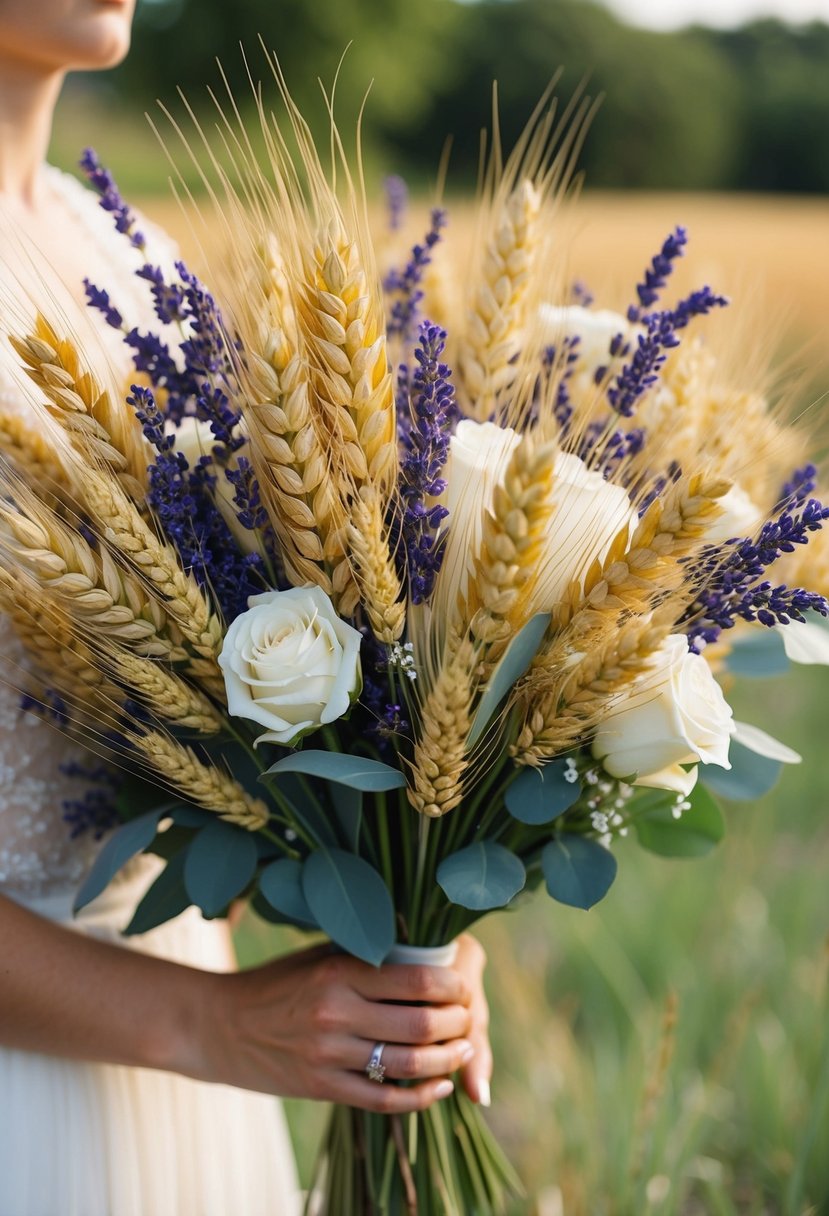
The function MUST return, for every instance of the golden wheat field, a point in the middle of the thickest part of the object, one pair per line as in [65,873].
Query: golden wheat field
[667,1054]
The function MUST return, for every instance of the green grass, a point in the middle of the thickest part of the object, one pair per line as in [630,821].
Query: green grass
[668,1052]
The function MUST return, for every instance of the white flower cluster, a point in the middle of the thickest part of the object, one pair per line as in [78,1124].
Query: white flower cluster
[402,657]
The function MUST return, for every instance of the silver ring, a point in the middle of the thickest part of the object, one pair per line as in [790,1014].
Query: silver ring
[376,1069]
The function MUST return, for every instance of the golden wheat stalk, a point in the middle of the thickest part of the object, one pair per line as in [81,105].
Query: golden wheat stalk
[122,527]
[498,311]
[635,571]
[90,587]
[162,691]
[373,565]
[30,453]
[203,784]
[580,683]
[82,407]
[513,540]
[341,315]
[440,753]
[60,659]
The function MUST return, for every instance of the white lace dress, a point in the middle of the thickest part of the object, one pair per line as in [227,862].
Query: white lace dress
[98,1140]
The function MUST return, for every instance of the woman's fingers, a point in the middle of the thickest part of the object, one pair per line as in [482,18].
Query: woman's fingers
[412,984]
[418,1024]
[402,1063]
[350,1089]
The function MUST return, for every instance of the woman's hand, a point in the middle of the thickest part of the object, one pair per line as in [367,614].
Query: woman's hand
[305,1025]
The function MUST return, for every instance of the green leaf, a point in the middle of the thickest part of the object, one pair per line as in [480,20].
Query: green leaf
[306,808]
[356,771]
[749,777]
[220,864]
[578,871]
[758,656]
[166,899]
[350,902]
[540,795]
[281,885]
[348,807]
[698,830]
[484,875]
[517,658]
[133,837]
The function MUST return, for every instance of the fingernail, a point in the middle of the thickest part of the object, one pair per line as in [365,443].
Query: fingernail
[484,1094]
[467,1052]
[444,1089]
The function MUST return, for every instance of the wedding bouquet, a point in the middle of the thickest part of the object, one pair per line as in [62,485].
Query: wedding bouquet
[390,608]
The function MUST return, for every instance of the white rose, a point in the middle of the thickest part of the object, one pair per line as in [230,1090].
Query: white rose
[290,663]
[587,513]
[740,517]
[595,330]
[195,439]
[674,714]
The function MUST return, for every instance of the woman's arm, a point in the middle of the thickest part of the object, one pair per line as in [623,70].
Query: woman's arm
[301,1026]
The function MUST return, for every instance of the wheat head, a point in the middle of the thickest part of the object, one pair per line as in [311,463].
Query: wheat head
[203,784]
[373,566]
[83,408]
[440,753]
[498,309]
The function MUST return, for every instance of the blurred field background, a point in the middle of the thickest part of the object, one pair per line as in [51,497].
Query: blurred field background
[666,1054]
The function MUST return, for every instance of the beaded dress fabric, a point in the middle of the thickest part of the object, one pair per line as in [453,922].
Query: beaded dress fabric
[79,1139]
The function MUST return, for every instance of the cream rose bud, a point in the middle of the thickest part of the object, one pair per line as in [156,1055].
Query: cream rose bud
[290,663]
[587,513]
[595,329]
[674,714]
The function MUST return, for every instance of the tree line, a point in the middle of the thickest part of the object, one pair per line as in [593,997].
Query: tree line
[746,109]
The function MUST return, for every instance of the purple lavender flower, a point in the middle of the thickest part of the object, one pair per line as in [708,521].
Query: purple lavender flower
[103,182]
[652,347]
[405,284]
[733,586]
[657,274]
[433,411]
[397,199]
[798,488]
[95,810]
[247,496]
[581,294]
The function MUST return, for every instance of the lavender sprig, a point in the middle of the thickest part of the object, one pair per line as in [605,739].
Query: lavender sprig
[658,273]
[103,182]
[734,587]
[433,411]
[405,284]
[652,347]
[798,488]
[397,199]
[95,811]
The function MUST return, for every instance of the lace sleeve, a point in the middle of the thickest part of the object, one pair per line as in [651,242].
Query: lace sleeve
[38,853]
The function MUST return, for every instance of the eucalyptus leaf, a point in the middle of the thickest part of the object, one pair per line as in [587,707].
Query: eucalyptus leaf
[348,807]
[696,832]
[221,862]
[749,777]
[484,875]
[758,655]
[356,771]
[281,885]
[306,809]
[540,795]
[578,871]
[350,902]
[517,658]
[122,845]
[166,899]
